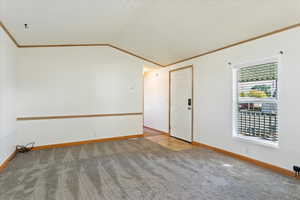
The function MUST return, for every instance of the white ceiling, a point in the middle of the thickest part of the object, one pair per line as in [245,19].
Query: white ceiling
[161,30]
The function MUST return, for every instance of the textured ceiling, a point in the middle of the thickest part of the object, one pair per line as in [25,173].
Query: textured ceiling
[161,30]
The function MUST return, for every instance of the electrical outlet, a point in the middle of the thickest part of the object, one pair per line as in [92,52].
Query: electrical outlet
[296,170]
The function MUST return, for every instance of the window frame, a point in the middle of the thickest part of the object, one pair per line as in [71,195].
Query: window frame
[235,95]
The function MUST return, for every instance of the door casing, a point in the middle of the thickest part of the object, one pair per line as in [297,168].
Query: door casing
[170,100]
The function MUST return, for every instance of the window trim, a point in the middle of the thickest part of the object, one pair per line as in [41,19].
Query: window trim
[235,69]
[258,141]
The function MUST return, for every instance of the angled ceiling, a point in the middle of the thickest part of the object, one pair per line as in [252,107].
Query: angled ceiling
[163,31]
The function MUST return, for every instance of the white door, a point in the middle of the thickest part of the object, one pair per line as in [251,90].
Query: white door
[181,110]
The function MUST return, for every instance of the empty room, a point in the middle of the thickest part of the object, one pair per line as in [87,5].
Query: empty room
[149,100]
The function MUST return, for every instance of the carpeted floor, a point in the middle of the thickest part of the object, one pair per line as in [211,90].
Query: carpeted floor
[139,169]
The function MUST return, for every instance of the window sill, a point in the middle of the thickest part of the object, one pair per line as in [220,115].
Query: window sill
[257,141]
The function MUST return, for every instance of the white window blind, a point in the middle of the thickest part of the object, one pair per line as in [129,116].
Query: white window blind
[256,111]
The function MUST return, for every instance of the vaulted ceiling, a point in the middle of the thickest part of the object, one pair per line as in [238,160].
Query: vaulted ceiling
[163,31]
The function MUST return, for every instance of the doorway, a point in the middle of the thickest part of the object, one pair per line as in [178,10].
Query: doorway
[181,103]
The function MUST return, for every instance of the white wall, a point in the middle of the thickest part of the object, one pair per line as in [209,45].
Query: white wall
[213,98]
[7,96]
[75,81]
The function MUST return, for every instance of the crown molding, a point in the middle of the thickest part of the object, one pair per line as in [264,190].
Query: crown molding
[9,34]
[135,55]
[146,59]
[236,44]
[93,45]
[61,45]
[76,45]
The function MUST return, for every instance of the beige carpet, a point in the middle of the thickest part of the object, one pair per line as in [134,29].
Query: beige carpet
[139,169]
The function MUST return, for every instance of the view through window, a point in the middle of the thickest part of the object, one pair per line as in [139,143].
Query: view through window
[256,111]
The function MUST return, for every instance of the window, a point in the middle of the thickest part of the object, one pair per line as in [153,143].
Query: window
[255,101]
